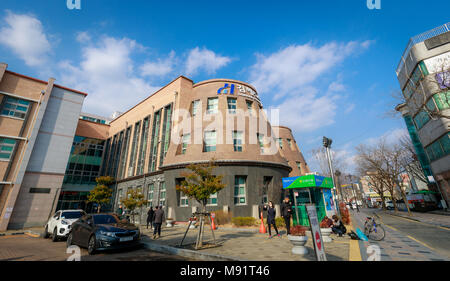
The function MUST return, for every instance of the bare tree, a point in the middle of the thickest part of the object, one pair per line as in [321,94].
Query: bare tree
[384,162]
[410,161]
[320,155]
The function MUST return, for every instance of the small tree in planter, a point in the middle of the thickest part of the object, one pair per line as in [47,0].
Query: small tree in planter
[325,229]
[298,238]
[200,184]
[134,199]
[101,194]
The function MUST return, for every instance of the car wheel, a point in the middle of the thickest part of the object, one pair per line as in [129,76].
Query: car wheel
[55,235]
[91,245]
[46,234]
[69,240]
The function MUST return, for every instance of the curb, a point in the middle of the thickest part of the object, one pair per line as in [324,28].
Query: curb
[26,232]
[187,253]
[417,220]
[12,233]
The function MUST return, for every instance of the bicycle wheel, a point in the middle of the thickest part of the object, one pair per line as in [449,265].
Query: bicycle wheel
[377,233]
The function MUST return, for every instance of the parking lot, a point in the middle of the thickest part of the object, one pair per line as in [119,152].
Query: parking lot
[27,248]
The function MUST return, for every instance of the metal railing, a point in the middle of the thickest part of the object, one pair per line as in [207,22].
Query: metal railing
[420,38]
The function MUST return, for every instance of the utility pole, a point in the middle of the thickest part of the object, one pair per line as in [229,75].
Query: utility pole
[327,144]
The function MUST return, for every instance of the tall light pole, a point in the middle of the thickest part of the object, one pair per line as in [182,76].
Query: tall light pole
[327,144]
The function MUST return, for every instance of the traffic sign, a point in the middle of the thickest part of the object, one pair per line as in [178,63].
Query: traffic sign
[315,232]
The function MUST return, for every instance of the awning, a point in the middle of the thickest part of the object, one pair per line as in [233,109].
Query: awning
[307,182]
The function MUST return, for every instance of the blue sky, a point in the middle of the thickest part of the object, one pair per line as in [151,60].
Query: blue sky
[329,66]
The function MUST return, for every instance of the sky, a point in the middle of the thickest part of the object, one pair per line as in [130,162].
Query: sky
[327,65]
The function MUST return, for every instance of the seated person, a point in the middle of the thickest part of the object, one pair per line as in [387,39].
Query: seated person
[326,222]
[338,227]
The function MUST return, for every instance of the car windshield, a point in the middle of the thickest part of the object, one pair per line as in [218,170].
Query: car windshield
[104,219]
[72,215]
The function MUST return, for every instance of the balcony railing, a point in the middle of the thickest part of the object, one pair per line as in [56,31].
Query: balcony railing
[420,38]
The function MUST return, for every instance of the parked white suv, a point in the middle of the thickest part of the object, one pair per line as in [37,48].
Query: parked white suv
[59,224]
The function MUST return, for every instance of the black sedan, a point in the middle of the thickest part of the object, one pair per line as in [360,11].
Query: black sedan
[101,232]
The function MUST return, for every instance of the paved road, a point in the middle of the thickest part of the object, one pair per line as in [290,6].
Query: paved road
[408,239]
[26,248]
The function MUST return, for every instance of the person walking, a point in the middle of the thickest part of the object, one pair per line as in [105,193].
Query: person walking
[119,212]
[286,210]
[271,213]
[150,217]
[158,218]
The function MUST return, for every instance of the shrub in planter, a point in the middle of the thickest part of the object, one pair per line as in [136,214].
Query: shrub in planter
[298,238]
[298,230]
[222,217]
[326,223]
[243,221]
[345,215]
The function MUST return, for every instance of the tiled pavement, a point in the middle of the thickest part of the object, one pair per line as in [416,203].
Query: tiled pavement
[395,246]
[246,245]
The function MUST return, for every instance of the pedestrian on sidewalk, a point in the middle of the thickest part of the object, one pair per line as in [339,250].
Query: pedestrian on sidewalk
[338,227]
[150,217]
[158,218]
[286,210]
[271,212]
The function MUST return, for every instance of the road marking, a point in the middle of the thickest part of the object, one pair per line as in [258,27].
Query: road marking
[354,251]
[391,227]
[420,242]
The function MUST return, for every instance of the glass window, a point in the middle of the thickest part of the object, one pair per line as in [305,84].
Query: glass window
[212,200]
[213,105]
[6,148]
[445,143]
[290,144]
[15,107]
[209,141]
[195,107]
[442,100]
[261,142]
[185,141]
[430,105]
[231,105]
[421,119]
[184,200]
[162,194]
[151,191]
[237,140]
[250,106]
[239,190]
[280,143]
[417,75]
[299,167]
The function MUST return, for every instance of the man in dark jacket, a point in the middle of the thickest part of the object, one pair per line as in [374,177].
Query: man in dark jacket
[150,217]
[158,219]
[286,210]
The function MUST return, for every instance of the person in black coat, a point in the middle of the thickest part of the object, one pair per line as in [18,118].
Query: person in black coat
[271,212]
[150,217]
[286,210]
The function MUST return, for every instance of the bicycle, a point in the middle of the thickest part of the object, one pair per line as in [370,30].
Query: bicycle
[373,230]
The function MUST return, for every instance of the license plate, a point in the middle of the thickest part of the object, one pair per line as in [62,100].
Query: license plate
[124,239]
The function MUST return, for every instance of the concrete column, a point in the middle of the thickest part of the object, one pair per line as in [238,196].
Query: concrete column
[278,210]
[255,211]
[226,209]
[170,213]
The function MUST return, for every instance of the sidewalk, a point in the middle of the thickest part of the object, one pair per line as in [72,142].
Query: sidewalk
[437,219]
[32,231]
[242,244]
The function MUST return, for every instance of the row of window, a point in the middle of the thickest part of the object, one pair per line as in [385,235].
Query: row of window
[418,74]
[6,148]
[14,107]
[212,106]
[439,148]
[439,101]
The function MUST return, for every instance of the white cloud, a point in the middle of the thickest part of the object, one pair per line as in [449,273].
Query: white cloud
[160,67]
[25,36]
[349,108]
[106,72]
[391,137]
[206,60]
[297,66]
[83,37]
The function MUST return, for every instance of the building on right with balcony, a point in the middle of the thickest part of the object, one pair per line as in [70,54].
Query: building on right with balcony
[424,77]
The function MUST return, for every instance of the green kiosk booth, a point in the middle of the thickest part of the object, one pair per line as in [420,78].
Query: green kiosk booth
[309,189]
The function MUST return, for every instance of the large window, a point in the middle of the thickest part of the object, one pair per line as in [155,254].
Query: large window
[143,146]
[239,190]
[439,148]
[184,200]
[185,141]
[209,143]
[155,141]
[137,130]
[162,194]
[212,200]
[213,105]
[265,189]
[124,154]
[249,107]
[280,142]
[6,148]
[151,192]
[15,107]
[237,140]
[261,142]
[166,133]
[195,107]
[442,100]
[231,105]
[421,119]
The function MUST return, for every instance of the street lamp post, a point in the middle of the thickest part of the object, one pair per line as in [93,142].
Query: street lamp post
[327,144]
